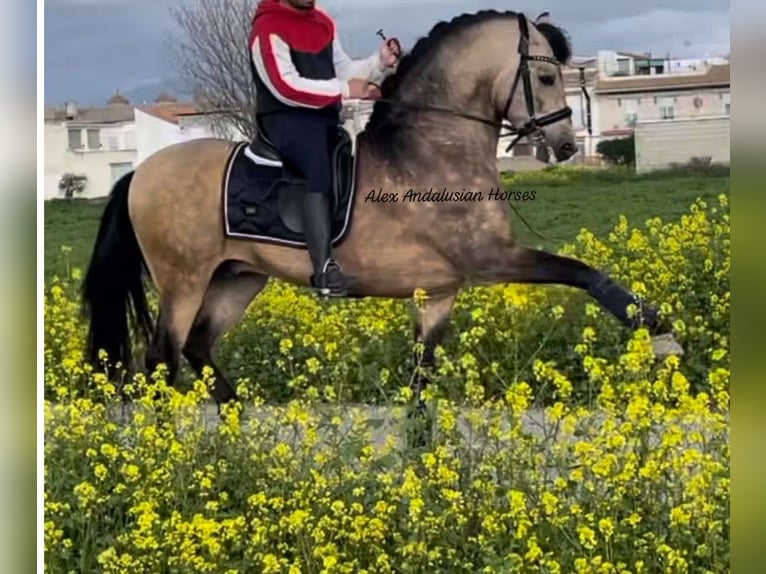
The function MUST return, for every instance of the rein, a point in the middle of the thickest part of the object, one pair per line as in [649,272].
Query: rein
[533,124]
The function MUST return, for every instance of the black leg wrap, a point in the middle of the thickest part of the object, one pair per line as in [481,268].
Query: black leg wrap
[616,300]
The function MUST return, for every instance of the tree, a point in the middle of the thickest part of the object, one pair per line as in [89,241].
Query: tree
[72,184]
[209,51]
[619,151]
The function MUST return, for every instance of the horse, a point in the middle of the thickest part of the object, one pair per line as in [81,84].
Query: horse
[438,123]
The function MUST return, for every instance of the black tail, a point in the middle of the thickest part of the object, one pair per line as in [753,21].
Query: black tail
[113,281]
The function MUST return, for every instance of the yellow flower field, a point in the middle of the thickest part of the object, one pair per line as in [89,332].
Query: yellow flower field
[560,443]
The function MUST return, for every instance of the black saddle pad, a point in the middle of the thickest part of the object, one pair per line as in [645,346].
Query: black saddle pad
[262,203]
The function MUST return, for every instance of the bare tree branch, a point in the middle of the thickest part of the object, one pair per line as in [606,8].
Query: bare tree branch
[209,51]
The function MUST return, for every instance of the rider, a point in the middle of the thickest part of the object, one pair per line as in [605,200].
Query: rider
[302,75]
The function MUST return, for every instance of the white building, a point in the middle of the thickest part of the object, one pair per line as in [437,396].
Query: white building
[103,143]
[168,122]
[158,126]
[614,63]
[662,143]
[98,143]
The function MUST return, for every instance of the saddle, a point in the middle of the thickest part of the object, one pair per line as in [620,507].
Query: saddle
[263,193]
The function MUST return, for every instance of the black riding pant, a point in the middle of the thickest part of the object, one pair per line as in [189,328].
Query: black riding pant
[305,139]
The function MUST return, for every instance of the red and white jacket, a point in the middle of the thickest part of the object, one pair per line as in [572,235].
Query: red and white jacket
[298,61]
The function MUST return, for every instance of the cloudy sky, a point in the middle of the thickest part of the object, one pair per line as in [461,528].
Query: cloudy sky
[93,47]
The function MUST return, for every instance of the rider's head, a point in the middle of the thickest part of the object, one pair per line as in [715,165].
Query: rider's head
[300,4]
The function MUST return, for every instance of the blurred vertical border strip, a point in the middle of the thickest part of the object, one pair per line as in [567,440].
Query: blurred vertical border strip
[40,92]
[748,394]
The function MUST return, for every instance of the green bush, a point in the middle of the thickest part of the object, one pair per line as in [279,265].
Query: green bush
[619,151]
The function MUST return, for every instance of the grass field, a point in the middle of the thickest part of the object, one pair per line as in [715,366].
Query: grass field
[592,200]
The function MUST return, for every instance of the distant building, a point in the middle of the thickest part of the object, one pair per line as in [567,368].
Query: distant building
[97,142]
[626,100]
[103,143]
[613,63]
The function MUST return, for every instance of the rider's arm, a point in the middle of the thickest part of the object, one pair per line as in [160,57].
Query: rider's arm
[370,68]
[271,56]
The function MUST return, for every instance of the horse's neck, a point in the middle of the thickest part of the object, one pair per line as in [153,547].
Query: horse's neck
[452,139]
[464,153]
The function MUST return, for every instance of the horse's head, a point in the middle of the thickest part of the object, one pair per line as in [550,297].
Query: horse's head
[529,92]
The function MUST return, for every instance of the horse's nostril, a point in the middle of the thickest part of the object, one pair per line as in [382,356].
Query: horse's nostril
[567,148]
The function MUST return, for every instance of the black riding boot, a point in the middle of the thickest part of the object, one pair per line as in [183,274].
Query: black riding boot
[328,277]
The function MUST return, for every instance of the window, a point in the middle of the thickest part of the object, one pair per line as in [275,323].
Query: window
[130,140]
[75,138]
[94,138]
[623,66]
[113,142]
[120,169]
[631,111]
[726,103]
[667,108]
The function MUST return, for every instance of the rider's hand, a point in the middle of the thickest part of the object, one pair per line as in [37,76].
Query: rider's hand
[358,88]
[390,52]
[373,92]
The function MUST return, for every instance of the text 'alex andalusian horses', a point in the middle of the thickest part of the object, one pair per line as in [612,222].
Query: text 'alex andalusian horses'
[211,226]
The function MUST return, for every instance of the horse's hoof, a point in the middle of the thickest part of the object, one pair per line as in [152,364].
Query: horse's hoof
[666,345]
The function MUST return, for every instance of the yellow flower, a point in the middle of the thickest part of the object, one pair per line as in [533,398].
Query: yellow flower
[587,537]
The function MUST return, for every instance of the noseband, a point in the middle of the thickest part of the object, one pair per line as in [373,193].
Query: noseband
[523,74]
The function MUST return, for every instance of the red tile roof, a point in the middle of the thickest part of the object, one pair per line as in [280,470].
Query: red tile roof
[170,111]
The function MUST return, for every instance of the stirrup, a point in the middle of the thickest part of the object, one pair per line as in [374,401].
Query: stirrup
[331,270]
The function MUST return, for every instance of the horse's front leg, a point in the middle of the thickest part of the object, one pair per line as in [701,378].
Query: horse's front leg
[507,262]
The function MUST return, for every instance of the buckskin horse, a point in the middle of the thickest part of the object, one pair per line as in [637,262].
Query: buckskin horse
[211,226]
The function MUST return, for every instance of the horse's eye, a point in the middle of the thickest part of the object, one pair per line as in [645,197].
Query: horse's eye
[547,79]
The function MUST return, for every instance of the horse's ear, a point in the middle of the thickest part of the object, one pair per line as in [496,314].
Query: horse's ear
[543,18]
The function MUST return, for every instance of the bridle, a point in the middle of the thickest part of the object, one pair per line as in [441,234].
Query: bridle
[534,123]
[523,74]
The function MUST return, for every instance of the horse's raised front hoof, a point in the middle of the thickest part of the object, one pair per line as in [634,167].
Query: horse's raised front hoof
[666,345]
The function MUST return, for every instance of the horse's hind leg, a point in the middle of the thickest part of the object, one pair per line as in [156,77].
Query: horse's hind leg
[225,301]
[177,312]
[432,323]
